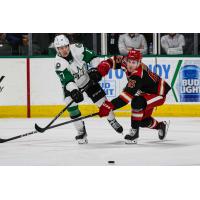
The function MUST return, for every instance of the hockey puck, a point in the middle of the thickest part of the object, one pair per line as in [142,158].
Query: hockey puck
[111,162]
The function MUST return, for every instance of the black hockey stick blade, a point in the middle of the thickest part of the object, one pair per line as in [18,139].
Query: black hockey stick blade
[39,129]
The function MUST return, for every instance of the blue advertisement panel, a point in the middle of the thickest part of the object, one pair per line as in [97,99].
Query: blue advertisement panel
[182,74]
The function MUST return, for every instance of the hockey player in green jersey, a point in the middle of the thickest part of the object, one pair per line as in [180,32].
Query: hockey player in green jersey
[71,67]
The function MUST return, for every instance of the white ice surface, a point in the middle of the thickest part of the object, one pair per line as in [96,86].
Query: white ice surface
[58,147]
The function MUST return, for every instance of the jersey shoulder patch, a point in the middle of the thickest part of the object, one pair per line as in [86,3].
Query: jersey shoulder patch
[60,64]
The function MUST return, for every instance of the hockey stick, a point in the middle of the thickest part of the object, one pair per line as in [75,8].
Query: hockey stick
[51,127]
[41,130]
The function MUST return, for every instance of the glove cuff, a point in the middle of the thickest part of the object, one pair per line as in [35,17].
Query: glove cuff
[71,86]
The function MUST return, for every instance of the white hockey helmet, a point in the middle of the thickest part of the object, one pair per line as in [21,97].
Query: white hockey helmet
[60,41]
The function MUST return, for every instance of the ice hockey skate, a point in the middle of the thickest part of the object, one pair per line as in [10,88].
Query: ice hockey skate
[82,136]
[132,137]
[163,129]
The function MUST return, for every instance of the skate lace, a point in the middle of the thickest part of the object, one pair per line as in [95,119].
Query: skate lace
[132,132]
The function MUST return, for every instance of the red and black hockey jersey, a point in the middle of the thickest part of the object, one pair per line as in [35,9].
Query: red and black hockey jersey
[142,80]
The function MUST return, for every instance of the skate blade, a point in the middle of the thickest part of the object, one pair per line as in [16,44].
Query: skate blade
[167,128]
[83,141]
[131,141]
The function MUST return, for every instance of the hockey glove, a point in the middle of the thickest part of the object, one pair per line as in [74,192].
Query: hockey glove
[105,66]
[77,96]
[94,75]
[105,109]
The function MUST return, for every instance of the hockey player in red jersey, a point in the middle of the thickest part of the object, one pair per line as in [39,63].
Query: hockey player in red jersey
[145,90]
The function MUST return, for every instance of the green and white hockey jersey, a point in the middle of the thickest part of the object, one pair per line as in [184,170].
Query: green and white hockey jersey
[73,69]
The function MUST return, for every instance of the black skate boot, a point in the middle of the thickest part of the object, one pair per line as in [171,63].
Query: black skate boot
[82,136]
[162,129]
[132,137]
[116,125]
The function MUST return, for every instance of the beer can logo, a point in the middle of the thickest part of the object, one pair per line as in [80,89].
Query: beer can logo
[189,83]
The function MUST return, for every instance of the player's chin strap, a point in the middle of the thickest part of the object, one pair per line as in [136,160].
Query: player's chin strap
[50,127]
[41,130]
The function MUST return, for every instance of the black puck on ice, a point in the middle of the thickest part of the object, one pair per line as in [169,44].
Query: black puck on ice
[111,162]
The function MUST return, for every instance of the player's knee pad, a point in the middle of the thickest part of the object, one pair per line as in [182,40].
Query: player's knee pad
[74,112]
[138,103]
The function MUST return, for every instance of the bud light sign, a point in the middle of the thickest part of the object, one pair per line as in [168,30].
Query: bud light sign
[109,87]
[189,83]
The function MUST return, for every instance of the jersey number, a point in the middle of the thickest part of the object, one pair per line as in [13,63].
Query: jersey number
[62,75]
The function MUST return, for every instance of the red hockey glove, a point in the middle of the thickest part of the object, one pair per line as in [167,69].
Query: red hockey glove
[105,109]
[104,67]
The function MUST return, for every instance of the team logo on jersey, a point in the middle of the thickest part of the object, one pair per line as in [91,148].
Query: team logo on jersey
[131,83]
[80,72]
